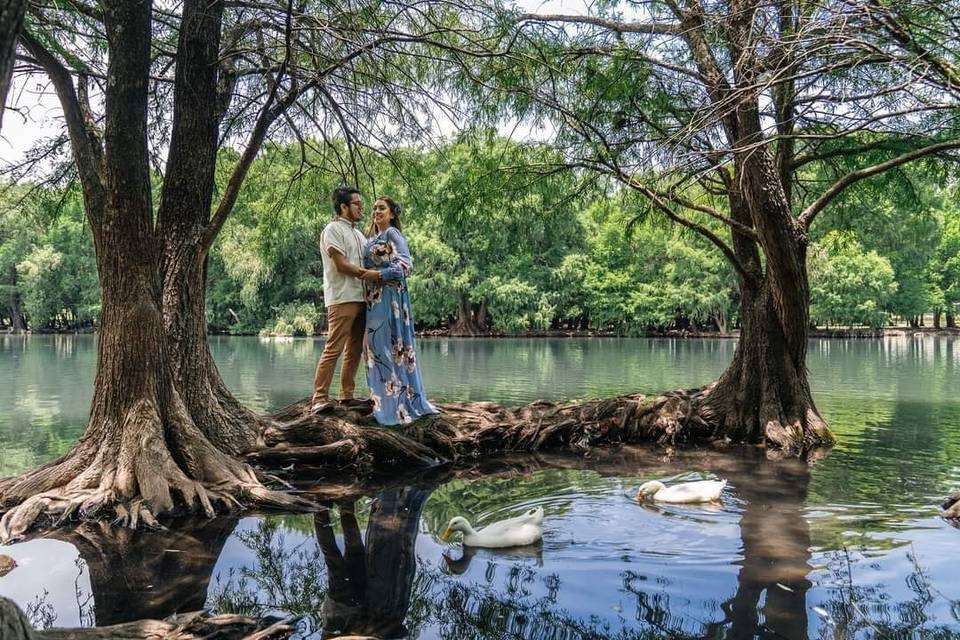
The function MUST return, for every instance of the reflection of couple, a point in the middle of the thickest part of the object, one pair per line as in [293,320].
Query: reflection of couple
[370,583]
[368,311]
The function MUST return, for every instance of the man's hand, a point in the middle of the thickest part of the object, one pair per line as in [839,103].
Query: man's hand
[370,275]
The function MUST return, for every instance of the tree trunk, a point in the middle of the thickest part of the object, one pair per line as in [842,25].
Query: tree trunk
[219,415]
[11,22]
[141,451]
[937,313]
[469,322]
[183,216]
[17,320]
[721,320]
[951,321]
[914,323]
[764,395]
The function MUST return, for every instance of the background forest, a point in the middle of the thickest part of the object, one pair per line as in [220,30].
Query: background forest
[500,246]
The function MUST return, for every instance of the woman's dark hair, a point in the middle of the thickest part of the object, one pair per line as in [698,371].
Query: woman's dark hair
[395,210]
[343,195]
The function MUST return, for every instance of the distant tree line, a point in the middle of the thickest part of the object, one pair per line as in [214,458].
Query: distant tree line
[499,247]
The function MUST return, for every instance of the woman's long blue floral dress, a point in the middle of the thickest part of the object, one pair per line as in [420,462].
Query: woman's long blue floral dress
[393,373]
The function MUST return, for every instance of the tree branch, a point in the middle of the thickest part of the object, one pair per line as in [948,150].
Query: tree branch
[652,28]
[87,149]
[810,213]
[663,206]
[11,23]
[268,114]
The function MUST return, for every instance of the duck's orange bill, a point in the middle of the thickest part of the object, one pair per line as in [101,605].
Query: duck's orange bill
[446,534]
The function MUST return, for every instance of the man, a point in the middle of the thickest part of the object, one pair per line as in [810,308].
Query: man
[342,245]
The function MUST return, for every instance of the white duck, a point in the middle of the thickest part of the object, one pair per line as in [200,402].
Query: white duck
[683,493]
[512,532]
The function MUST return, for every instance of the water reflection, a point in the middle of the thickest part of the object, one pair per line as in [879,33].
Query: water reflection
[370,581]
[460,565]
[772,583]
[608,568]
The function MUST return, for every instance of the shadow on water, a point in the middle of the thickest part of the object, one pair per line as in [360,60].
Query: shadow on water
[373,567]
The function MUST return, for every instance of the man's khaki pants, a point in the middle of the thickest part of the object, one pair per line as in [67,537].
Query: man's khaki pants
[345,327]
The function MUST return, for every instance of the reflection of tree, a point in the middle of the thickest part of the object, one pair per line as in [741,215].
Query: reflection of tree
[857,609]
[776,551]
[363,577]
[148,574]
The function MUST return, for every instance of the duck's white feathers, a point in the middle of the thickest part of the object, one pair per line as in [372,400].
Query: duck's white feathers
[688,492]
[512,532]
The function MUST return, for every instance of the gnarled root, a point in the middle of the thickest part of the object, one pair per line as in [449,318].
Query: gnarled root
[951,506]
[469,430]
[189,626]
[135,471]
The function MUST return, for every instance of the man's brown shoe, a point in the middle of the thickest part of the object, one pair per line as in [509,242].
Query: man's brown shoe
[317,407]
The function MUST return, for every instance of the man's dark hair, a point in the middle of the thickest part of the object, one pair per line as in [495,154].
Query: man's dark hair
[343,195]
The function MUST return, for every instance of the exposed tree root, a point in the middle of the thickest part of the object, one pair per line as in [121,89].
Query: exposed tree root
[189,626]
[951,506]
[150,466]
[464,431]
[154,466]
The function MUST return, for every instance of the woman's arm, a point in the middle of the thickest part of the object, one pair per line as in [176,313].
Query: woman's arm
[401,264]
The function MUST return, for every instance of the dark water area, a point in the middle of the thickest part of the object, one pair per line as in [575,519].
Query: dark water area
[850,547]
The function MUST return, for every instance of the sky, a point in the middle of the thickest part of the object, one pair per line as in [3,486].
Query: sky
[36,113]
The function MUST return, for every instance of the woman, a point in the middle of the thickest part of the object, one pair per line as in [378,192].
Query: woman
[393,374]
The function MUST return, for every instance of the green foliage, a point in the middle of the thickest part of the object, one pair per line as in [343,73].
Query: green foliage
[47,259]
[945,267]
[900,216]
[646,276]
[492,227]
[294,319]
[848,285]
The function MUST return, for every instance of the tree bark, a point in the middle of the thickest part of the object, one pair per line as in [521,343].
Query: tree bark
[764,395]
[937,313]
[11,22]
[951,321]
[187,626]
[182,220]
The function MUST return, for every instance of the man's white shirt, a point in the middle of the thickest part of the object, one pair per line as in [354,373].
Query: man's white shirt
[348,240]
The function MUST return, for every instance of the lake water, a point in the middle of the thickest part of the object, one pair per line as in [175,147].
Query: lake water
[851,547]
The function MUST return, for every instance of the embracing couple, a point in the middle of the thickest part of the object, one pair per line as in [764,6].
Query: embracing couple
[368,313]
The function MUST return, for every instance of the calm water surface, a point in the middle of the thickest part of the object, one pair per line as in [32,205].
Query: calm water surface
[850,547]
